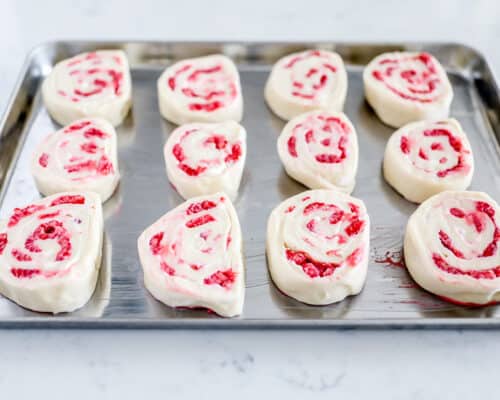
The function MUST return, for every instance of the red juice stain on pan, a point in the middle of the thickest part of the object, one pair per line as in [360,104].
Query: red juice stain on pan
[393,259]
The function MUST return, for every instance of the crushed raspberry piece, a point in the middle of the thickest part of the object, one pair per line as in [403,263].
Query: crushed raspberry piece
[167,268]
[94,132]
[354,258]
[20,256]
[202,220]
[171,83]
[104,166]
[354,227]
[49,215]
[3,242]
[20,213]
[89,147]
[208,107]
[484,207]
[219,141]
[446,242]
[289,209]
[44,160]
[77,127]
[310,266]
[68,199]
[178,152]
[25,273]
[437,146]
[422,154]
[222,278]
[204,205]
[405,145]
[457,212]
[192,171]
[292,146]
[336,217]
[235,153]
[155,243]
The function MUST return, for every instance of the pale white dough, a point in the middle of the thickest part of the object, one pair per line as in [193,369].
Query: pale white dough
[192,256]
[318,245]
[79,157]
[428,157]
[206,158]
[50,252]
[320,150]
[204,89]
[306,81]
[95,84]
[403,87]
[451,247]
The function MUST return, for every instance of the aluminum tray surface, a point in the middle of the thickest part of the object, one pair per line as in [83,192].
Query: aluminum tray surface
[389,299]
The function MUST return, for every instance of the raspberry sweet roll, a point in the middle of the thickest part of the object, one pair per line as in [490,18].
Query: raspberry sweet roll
[428,157]
[50,252]
[320,150]
[306,81]
[192,256]
[451,247]
[204,89]
[79,157]
[206,158]
[95,84]
[318,245]
[403,87]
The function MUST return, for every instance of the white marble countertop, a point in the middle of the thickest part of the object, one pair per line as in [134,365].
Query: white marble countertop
[124,364]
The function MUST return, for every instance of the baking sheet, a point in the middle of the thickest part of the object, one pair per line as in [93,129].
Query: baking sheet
[389,299]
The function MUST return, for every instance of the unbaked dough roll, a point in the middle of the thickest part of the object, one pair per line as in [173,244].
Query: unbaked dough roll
[192,256]
[50,252]
[428,157]
[204,158]
[79,157]
[95,84]
[306,81]
[403,87]
[320,150]
[451,247]
[204,89]
[318,246]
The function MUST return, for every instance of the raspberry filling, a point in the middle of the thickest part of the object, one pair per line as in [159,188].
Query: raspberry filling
[20,213]
[310,266]
[205,89]
[168,246]
[47,228]
[43,160]
[325,138]
[476,218]
[413,78]
[319,219]
[51,230]
[204,205]
[3,242]
[310,73]
[68,199]
[447,146]
[90,78]
[81,150]
[216,150]
[222,278]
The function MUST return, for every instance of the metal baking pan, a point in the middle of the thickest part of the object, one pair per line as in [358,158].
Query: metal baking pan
[389,299]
